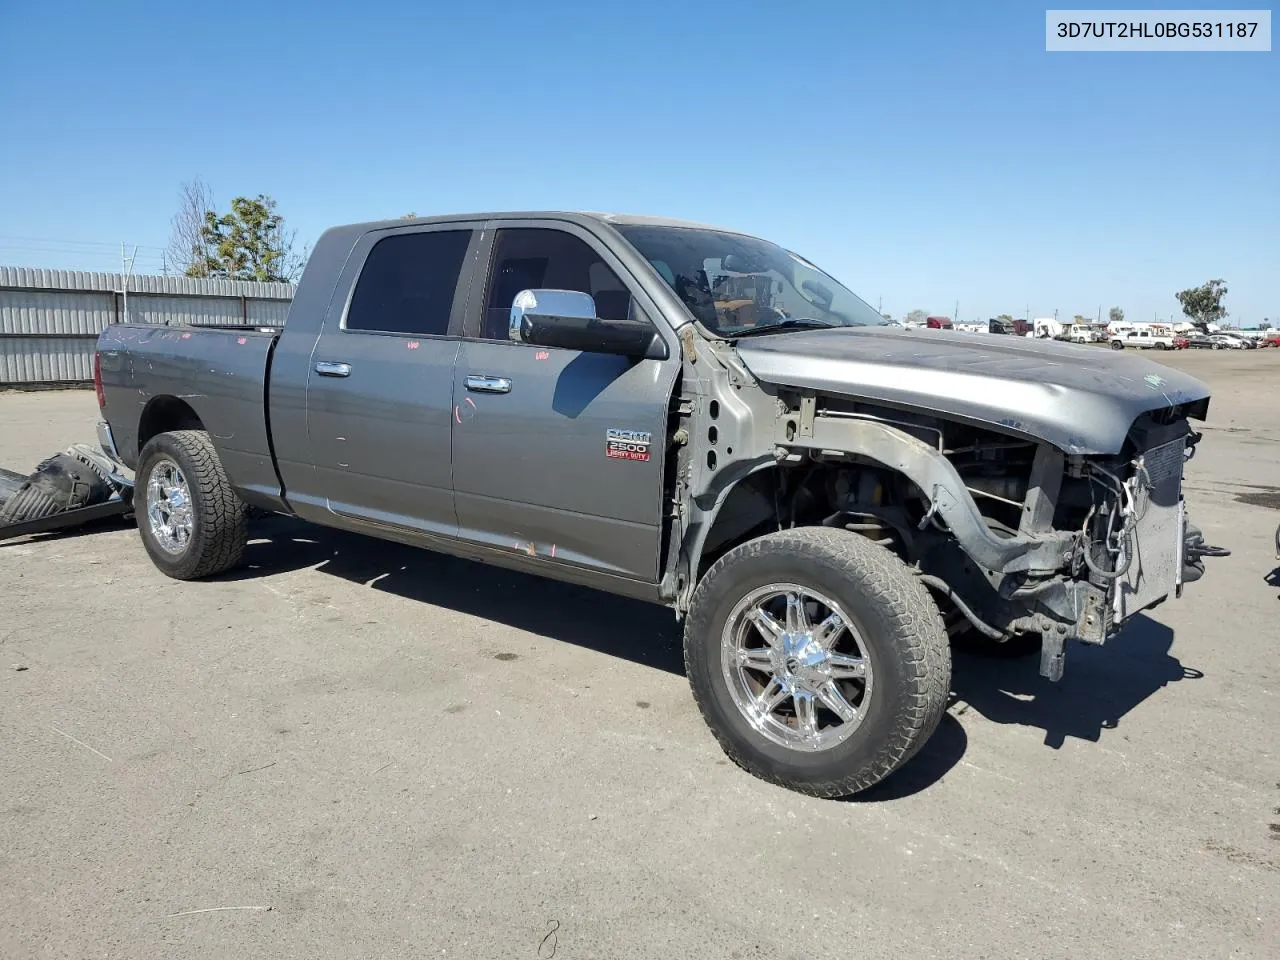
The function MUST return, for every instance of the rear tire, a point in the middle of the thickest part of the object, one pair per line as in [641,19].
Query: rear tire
[888,623]
[191,521]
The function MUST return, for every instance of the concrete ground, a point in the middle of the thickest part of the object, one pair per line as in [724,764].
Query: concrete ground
[354,749]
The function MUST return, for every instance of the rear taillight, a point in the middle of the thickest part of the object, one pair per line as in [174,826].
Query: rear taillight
[97,380]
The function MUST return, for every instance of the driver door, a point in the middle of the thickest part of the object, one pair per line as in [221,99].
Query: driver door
[532,470]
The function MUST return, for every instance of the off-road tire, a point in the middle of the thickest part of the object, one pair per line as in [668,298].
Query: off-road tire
[902,632]
[220,518]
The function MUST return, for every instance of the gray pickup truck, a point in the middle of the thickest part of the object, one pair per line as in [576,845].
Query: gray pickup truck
[694,417]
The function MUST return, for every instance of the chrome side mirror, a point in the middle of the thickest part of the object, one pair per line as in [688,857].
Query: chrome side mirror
[547,304]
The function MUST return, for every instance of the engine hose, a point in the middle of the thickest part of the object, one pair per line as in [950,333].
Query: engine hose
[945,588]
[1125,532]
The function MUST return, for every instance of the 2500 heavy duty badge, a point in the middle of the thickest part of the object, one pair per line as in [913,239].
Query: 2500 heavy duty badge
[627,444]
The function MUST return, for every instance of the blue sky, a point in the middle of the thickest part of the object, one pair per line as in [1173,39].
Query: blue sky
[924,153]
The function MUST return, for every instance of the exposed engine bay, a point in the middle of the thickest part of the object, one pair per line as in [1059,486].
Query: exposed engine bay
[1013,536]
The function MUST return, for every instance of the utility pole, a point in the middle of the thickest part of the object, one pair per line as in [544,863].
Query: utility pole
[955,317]
[126,270]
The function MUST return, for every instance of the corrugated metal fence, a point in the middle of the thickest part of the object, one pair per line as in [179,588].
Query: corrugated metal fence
[50,319]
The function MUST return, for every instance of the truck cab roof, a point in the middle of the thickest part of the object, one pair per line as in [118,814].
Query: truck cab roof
[582,217]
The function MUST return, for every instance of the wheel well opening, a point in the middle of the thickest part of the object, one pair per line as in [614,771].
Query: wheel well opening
[870,499]
[163,414]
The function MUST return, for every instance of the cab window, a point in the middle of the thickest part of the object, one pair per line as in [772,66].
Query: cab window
[407,284]
[537,258]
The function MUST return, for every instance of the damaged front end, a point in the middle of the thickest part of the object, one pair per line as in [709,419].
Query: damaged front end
[1132,547]
[1014,536]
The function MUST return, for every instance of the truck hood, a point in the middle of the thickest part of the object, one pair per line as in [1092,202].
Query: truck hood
[1082,399]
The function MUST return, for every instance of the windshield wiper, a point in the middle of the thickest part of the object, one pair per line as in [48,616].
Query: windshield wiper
[791,323]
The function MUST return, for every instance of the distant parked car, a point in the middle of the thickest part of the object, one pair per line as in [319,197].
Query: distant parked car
[1199,341]
[1181,343]
[1224,341]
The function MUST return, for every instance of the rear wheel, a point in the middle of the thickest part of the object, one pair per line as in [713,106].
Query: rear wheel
[191,521]
[818,661]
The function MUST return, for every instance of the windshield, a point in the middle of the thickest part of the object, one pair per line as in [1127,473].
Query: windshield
[738,285]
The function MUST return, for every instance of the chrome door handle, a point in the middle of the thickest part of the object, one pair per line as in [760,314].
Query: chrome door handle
[327,368]
[489,384]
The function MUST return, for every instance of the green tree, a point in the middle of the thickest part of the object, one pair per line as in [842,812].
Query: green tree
[1203,304]
[1004,318]
[917,316]
[888,317]
[249,242]
[409,216]
[1115,315]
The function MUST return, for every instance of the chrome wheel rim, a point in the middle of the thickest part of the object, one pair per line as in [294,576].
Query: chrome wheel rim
[169,507]
[796,666]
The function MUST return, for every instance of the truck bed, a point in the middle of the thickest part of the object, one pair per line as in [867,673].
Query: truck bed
[219,372]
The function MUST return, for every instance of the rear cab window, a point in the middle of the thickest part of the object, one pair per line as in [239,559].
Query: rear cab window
[408,284]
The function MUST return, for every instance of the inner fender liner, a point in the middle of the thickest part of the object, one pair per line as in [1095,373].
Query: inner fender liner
[10,483]
[934,474]
[62,482]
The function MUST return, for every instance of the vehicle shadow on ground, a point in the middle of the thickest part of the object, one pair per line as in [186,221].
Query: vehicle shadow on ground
[104,525]
[640,632]
[1100,686]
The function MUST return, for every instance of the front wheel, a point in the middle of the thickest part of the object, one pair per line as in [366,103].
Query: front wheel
[1117,345]
[191,520]
[818,661]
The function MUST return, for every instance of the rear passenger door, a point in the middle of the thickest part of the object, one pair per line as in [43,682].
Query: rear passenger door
[380,385]
[533,468]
